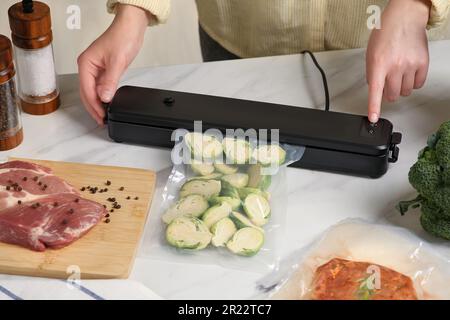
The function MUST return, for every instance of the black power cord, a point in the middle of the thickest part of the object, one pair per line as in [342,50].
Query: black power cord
[324,78]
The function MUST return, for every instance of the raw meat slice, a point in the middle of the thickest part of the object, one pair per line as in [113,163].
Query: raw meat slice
[341,279]
[39,210]
[55,223]
[24,165]
[28,182]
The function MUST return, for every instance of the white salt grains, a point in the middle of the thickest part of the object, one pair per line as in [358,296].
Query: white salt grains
[36,70]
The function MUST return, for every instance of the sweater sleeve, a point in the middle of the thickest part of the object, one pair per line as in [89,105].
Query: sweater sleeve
[159,8]
[439,12]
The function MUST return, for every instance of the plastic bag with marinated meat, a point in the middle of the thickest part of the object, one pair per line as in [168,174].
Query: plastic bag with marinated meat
[357,260]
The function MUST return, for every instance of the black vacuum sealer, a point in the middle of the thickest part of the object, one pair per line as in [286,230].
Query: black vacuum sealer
[336,142]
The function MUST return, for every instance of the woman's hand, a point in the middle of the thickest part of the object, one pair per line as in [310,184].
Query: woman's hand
[397,54]
[103,63]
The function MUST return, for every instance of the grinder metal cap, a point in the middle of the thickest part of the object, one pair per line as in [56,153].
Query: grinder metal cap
[6,59]
[30,24]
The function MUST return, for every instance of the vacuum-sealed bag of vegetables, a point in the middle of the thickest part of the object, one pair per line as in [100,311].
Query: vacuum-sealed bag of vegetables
[224,203]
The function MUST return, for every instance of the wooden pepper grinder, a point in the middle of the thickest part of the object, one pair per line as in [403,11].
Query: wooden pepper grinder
[11,134]
[31,28]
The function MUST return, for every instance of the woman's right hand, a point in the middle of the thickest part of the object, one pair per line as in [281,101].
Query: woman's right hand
[102,64]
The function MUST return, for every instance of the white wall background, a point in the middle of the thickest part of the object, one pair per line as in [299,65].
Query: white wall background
[175,42]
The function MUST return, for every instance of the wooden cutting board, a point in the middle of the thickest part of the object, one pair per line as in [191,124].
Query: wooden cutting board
[109,249]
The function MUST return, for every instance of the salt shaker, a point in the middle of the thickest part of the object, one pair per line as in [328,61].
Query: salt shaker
[32,36]
[11,134]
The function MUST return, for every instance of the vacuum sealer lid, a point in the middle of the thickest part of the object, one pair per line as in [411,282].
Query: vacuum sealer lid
[298,126]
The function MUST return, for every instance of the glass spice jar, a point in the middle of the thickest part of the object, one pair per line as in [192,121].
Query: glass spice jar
[31,28]
[11,134]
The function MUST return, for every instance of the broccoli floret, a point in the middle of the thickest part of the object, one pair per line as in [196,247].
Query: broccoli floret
[441,199]
[432,210]
[446,177]
[443,145]
[426,175]
[430,176]
[444,130]
[435,226]
[443,152]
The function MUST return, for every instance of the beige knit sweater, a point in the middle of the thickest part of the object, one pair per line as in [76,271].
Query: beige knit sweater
[252,28]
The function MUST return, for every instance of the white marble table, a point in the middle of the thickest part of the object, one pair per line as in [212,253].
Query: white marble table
[316,200]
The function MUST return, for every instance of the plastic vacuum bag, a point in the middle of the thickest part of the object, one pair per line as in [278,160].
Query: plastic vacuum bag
[156,246]
[391,247]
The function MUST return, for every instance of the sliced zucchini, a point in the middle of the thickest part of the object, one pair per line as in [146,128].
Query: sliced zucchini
[257,209]
[203,169]
[214,176]
[245,192]
[241,221]
[216,213]
[246,242]
[203,146]
[235,203]
[188,233]
[206,188]
[271,154]
[222,232]
[226,169]
[256,179]
[236,180]
[228,190]
[192,205]
[237,151]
